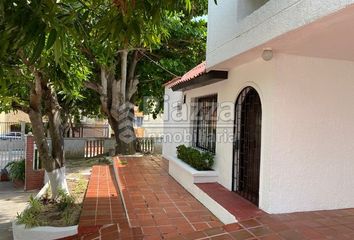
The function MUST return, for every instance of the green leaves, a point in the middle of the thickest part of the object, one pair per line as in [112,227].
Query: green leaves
[38,48]
[57,50]
[51,38]
[68,39]
[182,50]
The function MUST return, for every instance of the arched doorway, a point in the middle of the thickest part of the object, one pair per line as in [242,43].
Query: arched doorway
[247,145]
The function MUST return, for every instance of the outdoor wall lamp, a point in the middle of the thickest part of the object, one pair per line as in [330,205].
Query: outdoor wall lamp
[267,54]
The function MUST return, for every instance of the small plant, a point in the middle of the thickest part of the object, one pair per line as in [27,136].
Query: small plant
[29,217]
[65,200]
[4,175]
[199,160]
[67,216]
[35,205]
[105,160]
[16,170]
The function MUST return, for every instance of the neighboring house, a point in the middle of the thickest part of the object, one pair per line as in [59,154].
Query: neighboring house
[274,101]
[11,122]
[146,125]
[91,127]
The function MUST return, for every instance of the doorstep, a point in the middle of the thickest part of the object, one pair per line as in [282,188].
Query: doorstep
[232,202]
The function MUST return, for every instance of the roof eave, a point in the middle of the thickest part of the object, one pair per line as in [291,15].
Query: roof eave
[205,79]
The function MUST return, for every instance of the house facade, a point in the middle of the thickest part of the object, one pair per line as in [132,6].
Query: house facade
[274,103]
[11,122]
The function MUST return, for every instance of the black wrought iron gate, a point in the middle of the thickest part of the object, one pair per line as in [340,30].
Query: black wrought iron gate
[247,145]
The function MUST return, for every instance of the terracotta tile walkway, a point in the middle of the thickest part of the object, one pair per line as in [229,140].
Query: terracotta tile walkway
[233,203]
[159,208]
[157,203]
[103,215]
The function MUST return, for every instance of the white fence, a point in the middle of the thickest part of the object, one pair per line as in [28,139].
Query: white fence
[86,147]
[149,145]
[14,149]
[11,150]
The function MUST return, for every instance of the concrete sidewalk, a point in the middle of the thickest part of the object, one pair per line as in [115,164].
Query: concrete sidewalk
[12,201]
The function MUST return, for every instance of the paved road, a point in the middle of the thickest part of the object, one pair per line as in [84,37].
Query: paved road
[12,200]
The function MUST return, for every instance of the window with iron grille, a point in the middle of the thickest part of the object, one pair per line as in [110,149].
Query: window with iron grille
[204,132]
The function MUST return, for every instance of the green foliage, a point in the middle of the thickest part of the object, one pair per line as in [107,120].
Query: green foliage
[68,41]
[16,170]
[29,216]
[64,200]
[43,31]
[66,204]
[105,160]
[181,51]
[68,218]
[29,219]
[199,160]
[35,205]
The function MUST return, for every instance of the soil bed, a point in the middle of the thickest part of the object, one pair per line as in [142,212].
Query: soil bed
[64,211]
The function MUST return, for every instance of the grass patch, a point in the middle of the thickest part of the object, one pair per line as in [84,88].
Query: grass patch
[88,162]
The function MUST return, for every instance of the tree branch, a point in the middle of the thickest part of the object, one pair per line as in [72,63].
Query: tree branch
[133,66]
[17,106]
[133,87]
[124,66]
[94,86]
[37,74]
[88,54]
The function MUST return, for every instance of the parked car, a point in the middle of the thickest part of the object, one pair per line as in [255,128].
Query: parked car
[11,135]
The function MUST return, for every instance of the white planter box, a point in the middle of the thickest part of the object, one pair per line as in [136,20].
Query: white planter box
[188,176]
[42,233]
[178,167]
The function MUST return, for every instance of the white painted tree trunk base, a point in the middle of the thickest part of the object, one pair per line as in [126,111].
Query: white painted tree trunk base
[57,181]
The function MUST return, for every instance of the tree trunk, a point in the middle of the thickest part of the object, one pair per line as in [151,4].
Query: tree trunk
[53,160]
[55,171]
[53,110]
[126,141]
[115,96]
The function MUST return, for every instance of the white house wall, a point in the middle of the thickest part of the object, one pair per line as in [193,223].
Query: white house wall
[174,126]
[312,163]
[230,35]
[153,127]
[307,130]
[228,90]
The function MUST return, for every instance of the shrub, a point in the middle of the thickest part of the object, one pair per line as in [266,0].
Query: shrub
[16,170]
[195,158]
[65,200]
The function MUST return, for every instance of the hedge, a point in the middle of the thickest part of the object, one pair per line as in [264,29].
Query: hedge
[201,161]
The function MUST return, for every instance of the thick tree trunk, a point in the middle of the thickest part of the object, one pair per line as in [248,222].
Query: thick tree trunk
[53,110]
[54,169]
[115,96]
[126,142]
[40,139]
[52,160]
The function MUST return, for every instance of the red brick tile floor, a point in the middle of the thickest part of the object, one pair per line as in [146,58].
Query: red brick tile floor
[156,202]
[103,215]
[159,208]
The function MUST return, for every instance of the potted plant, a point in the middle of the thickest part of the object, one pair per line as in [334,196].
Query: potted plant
[17,172]
[4,175]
